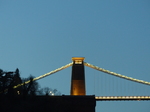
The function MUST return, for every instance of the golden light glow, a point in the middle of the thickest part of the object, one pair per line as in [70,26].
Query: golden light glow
[18,92]
[78,60]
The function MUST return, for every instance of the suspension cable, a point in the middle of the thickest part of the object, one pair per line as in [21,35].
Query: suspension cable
[116,74]
[44,75]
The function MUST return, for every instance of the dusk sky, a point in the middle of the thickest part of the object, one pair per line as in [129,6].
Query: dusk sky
[38,36]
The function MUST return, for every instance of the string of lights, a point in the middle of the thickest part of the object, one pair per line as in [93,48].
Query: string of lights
[116,74]
[44,75]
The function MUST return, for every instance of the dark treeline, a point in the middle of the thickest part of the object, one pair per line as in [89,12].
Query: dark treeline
[26,98]
[31,98]
[12,78]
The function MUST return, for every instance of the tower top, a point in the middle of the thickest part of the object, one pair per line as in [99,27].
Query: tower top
[78,58]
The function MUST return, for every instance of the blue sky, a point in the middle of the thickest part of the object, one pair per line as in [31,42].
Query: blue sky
[40,36]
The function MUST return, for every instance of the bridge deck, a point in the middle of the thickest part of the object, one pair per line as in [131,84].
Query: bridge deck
[119,98]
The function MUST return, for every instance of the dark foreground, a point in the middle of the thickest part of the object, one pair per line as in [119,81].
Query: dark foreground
[48,104]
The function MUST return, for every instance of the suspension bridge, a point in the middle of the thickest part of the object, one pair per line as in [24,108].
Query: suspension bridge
[78,80]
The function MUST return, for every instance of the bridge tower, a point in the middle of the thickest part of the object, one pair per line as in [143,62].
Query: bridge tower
[78,77]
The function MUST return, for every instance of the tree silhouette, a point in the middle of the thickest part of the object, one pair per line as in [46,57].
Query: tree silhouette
[25,96]
[51,92]
[10,79]
[6,81]
[31,88]
[17,80]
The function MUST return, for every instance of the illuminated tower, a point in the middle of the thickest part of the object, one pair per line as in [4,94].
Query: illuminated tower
[78,77]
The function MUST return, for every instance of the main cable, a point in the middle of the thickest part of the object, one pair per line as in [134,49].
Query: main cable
[116,74]
[44,75]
